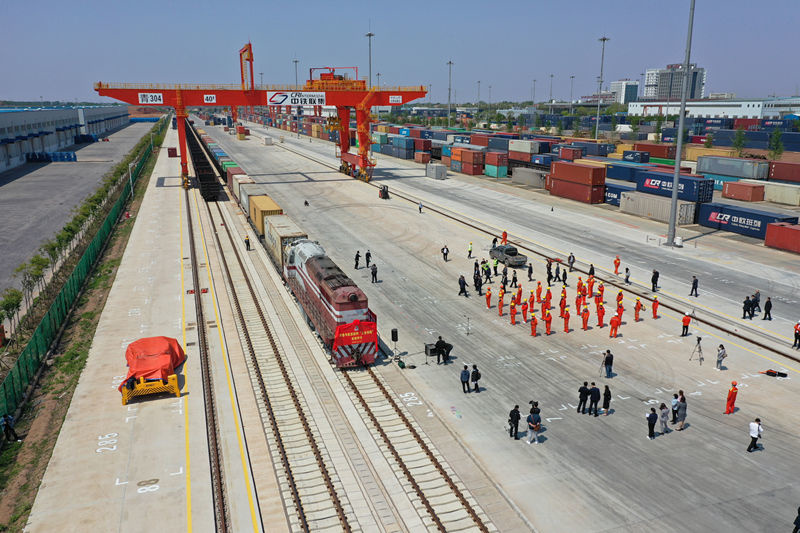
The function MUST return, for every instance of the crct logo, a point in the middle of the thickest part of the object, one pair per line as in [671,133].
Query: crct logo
[278,98]
[719,218]
[654,184]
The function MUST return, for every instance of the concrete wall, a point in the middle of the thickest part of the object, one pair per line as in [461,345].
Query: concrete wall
[50,130]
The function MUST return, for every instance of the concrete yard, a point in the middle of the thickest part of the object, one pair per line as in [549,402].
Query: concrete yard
[588,474]
[37,199]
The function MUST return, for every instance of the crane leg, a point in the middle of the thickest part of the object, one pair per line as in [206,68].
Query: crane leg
[180,114]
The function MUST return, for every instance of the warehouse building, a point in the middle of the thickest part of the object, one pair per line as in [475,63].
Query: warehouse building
[741,108]
[25,130]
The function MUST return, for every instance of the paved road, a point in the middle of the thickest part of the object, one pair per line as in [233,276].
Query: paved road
[36,199]
[589,474]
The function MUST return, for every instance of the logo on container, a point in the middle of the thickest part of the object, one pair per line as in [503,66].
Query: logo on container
[653,184]
[719,218]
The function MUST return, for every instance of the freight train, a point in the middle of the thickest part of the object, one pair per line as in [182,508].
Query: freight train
[332,302]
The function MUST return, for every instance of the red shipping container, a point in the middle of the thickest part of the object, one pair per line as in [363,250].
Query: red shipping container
[783,236]
[471,169]
[498,159]
[415,133]
[422,157]
[246,131]
[239,129]
[670,168]
[548,181]
[783,171]
[394,129]
[172,151]
[479,139]
[519,156]
[746,192]
[663,151]
[473,157]
[230,172]
[422,145]
[575,191]
[570,153]
[577,173]
[751,124]
[446,161]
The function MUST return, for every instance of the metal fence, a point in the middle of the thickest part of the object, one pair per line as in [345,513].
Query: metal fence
[13,387]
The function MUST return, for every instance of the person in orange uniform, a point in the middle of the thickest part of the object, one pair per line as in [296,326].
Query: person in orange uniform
[600,290]
[598,300]
[590,286]
[538,292]
[488,298]
[561,306]
[731,405]
[534,323]
[585,317]
[620,297]
[548,320]
[601,312]
[614,323]
[578,302]
[500,296]
[532,302]
[524,311]
[519,294]
[655,307]
[504,240]
[620,311]
[685,321]
[512,309]
[584,292]
[616,265]
[636,309]
[580,284]
[796,335]
[566,320]
[548,296]
[564,291]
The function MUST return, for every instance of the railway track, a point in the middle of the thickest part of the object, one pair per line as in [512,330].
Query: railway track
[728,326]
[221,518]
[442,501]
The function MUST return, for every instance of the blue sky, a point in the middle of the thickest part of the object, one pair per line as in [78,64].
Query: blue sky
[58,49]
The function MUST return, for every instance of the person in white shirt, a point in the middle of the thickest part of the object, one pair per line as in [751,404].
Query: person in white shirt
[755,434]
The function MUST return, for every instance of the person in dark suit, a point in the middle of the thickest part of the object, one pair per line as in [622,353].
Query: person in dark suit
[767,309]
[442,350]
[513,422]
[594,399]
[654,280]
[693,292]
[583,395]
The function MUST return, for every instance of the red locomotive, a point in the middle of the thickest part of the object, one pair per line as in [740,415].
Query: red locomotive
[334,304]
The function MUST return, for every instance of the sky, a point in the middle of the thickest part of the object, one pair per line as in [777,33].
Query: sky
[56,50]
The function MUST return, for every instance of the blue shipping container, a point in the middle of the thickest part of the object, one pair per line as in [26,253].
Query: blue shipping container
[636,156]
[719,180]
[498,143]
[403,142]
[455,166]
[690,189]
[742,220]
[542,159]
[614,192]
[617,171]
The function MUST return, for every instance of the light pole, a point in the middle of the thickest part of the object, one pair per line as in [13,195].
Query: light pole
[449,88]
[478,103]
[261,76]
[295,61]
[679,144]
[571,85]
[551,94]
[379,86]
[369,36]
[534,93]
[130,177]
[490,104]
[641,83]
[603,40]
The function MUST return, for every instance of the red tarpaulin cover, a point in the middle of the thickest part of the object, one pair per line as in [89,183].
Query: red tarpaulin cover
[355,342]
[153,358]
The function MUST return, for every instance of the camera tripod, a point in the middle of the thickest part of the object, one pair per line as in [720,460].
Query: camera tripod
[698,349]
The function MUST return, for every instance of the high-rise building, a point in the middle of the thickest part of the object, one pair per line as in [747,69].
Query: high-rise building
[665,83]
[625,91]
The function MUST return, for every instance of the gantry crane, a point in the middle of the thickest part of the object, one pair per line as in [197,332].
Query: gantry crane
[331,87]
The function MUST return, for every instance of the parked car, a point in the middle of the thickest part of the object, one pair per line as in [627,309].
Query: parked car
[508,255]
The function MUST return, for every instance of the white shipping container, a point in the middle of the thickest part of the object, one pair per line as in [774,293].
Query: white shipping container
[245,192]
[238,180]
[524,146]
[656,207]
[528,176]
[732,166]
[267,141]
[280,231]
[780,193]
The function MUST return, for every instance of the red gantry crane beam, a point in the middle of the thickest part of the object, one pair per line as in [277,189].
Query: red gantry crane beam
[329,88]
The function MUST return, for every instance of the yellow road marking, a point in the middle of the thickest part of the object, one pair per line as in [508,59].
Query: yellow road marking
[253,516]
[185,374]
